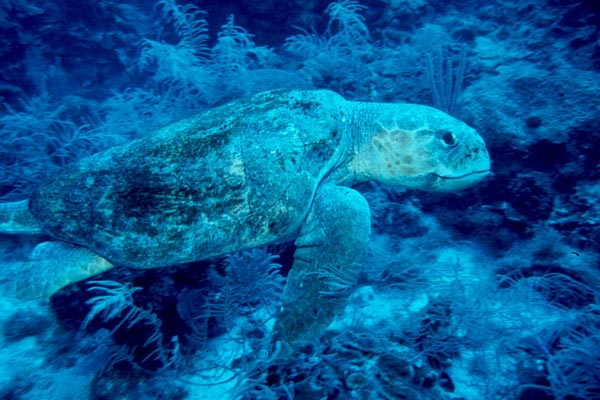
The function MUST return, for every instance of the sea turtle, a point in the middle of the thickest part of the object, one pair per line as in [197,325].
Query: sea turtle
[274,167]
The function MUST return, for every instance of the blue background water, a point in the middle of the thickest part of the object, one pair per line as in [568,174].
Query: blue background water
[487,294]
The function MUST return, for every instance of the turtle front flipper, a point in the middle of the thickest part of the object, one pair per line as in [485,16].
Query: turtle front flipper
[51,266]
[330,251]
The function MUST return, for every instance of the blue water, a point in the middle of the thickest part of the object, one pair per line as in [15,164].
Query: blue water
[489,293]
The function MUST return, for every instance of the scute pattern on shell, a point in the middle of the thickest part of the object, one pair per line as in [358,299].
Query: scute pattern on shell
[235,177]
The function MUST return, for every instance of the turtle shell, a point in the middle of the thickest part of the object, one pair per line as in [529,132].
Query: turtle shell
[238,176]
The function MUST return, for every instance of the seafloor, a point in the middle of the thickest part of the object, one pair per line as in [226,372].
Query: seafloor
[491,293]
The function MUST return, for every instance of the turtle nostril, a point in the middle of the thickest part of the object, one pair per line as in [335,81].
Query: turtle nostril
[476,150]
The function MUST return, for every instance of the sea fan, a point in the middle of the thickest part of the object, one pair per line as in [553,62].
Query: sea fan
[251,288]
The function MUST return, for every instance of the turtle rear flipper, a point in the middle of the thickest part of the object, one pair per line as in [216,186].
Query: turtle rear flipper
[52,266]
[16,219]
[329,255]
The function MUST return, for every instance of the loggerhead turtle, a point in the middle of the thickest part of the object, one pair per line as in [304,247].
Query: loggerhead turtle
[274,167]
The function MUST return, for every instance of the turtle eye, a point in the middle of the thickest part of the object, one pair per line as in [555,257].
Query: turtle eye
[447,138]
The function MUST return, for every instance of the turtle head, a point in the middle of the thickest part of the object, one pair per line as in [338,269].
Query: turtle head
[420,147]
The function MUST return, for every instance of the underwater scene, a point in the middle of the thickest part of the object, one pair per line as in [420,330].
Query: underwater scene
[310,200]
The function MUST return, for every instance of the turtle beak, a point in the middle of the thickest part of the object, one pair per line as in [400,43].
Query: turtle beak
[456,183]
[474,165]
